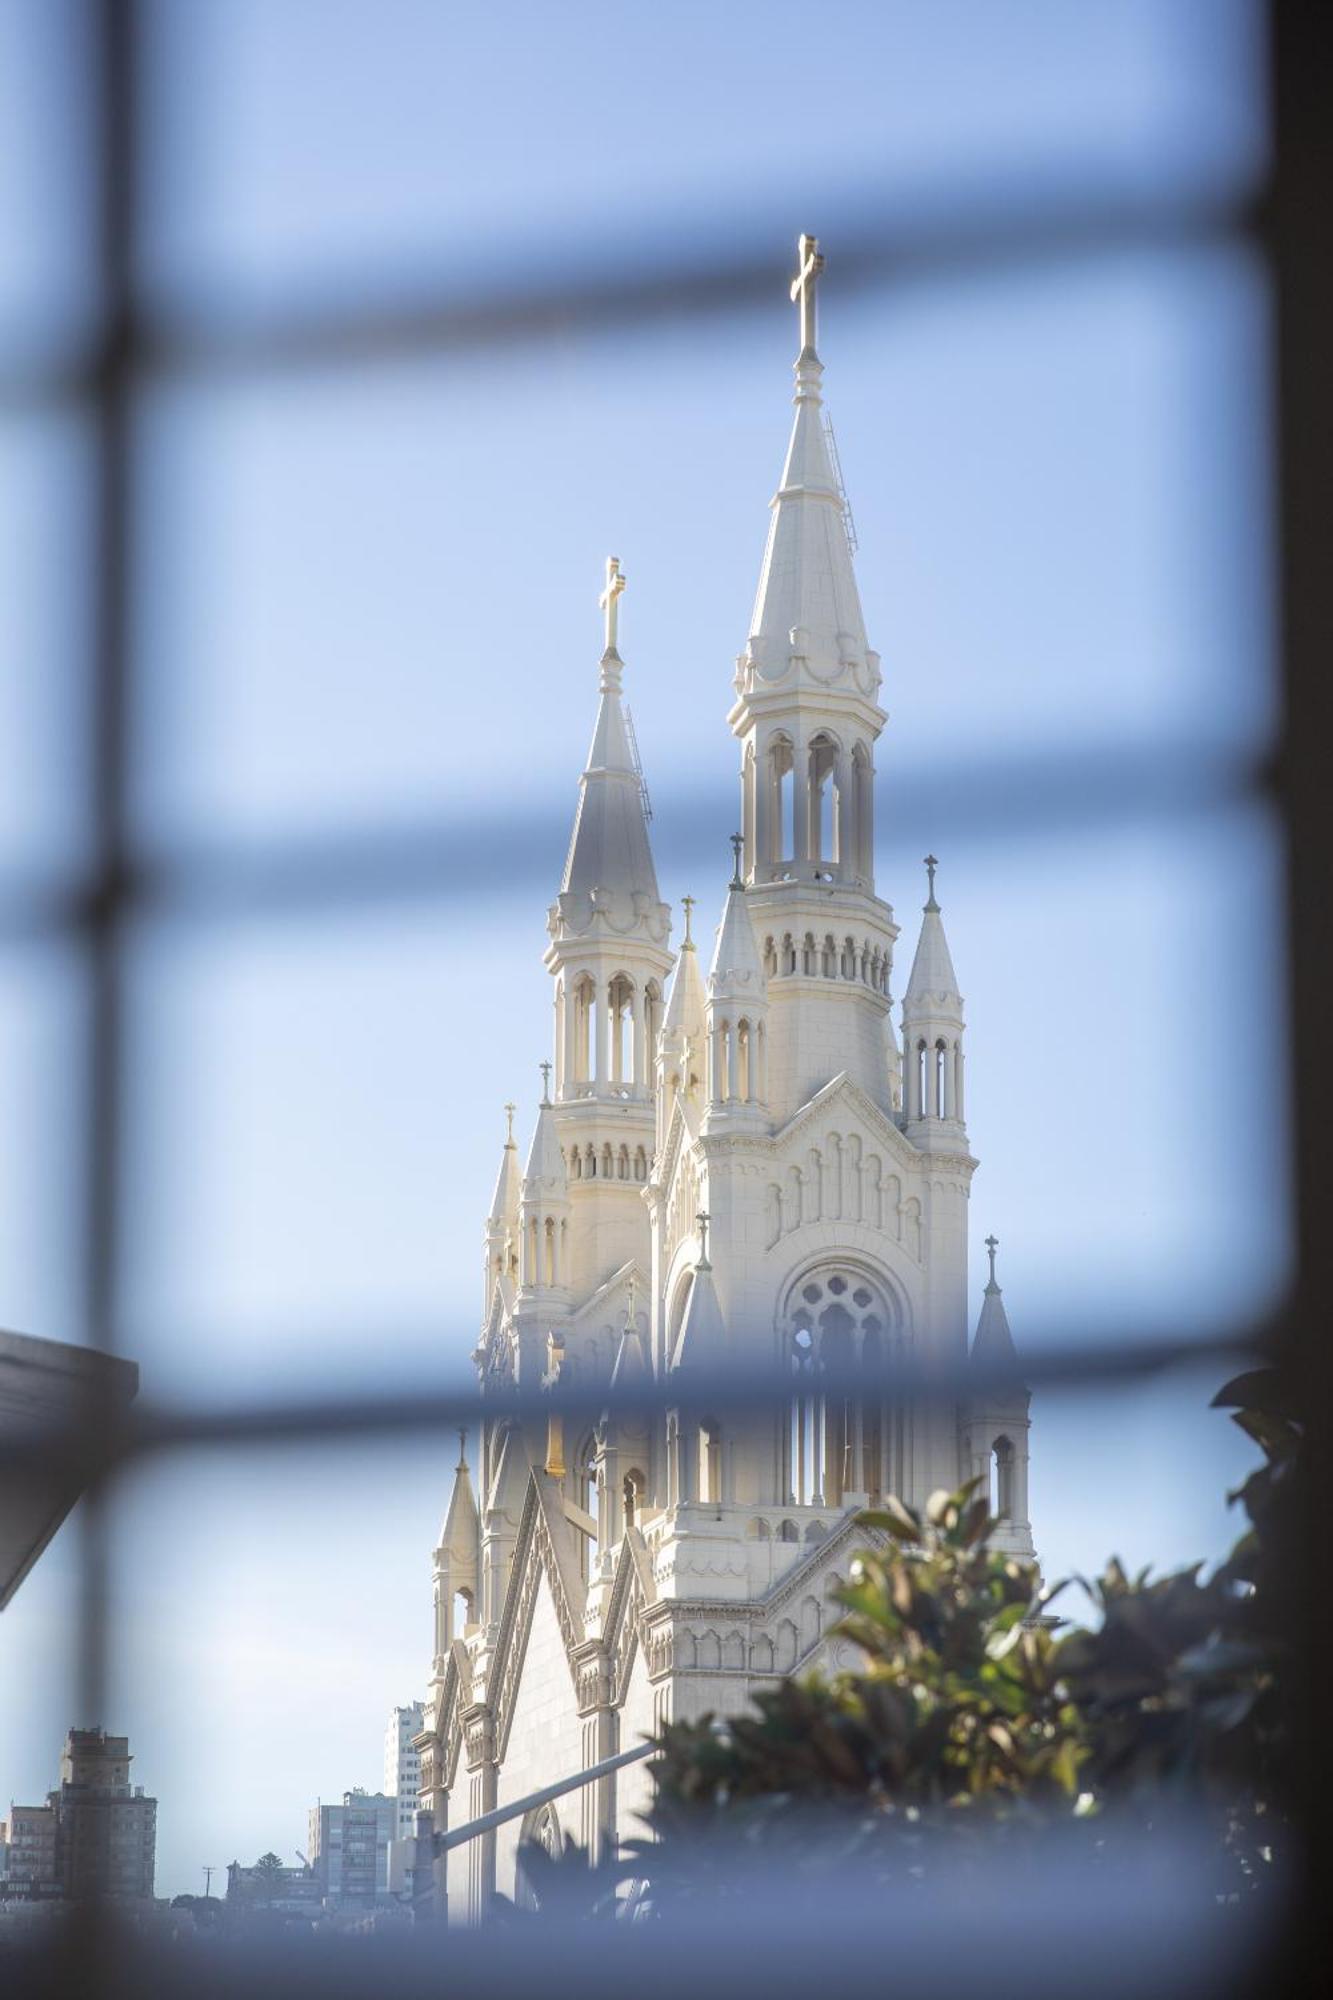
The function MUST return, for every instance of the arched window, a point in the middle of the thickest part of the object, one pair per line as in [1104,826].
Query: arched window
[941,1106]
[781,824]
[788,953]
[640,1164]
[808,953]
[652,1022]
[770,959]
[744,1062]
[620,1022]
[462,1613]
[585,1028]
[849,958]
[548,1256]
[586,1497]
[1002,1478]
[710,1462]
[608,1164]
[839,1319]
[823,802]
[829,958]
[862,811]
[590,1163]
[622,1164]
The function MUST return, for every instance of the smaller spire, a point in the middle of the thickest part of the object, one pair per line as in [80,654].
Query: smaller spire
[461,1526]
[993,1342]
[545,1160]
[931,865]
[504,1202]
[702,1341]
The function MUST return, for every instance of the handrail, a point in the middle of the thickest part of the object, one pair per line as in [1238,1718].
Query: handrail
[459,1836]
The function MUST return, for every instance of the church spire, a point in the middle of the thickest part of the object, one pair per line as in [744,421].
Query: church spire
[993,1342]
[736,1013]
[807,619]
[609,867]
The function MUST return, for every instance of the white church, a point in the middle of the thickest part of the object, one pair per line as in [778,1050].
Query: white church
[738,1165]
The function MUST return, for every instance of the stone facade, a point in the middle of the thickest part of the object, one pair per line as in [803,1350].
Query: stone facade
[748,1170]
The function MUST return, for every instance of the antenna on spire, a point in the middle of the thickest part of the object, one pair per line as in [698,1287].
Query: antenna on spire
[545,1069]
[737,845]
[992,1245]
[687,904]
[810,263]
[931,865]
[510,1109]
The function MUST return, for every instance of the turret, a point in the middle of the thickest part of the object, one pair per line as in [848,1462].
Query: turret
[502,1223]
[933,1035]
[680,1047]
[544,1211]
[997,1419]
[456,1559]
[736,1019]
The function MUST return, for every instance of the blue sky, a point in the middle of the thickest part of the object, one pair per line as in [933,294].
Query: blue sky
[368,605]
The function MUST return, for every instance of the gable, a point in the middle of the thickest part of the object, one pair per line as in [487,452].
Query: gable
[840,1160]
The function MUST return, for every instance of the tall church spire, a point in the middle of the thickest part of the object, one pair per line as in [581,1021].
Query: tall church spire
[807,618]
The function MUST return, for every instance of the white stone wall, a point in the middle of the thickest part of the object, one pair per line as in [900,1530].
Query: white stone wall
[545,1737]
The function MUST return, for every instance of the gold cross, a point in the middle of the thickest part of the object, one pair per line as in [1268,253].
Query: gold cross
[615,583]
[803,289]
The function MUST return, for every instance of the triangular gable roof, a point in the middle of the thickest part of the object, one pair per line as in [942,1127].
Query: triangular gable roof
[598,1300]
[842,1087]
[542,1547]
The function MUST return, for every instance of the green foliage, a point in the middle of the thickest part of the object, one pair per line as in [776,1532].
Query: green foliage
[973,1713]
[971,1707]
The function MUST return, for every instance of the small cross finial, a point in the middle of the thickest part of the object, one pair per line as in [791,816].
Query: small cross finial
[931,865]
[462,1450]
[703,1218]
[810,263]
[992,1245]
[545,1069]
[609,600]
[510,1109]
[737,845]
[687,904]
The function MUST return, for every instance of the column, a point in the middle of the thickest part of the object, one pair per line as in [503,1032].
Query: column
[749,778]
[802,844]
[641,1060]
[844,826]
[763,817]
[958,1081]
[734,1061]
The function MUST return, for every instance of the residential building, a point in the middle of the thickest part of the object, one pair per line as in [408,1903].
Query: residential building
[30,1842]
[402,1764]
[349,1845]
[745,1167]
[106,1829]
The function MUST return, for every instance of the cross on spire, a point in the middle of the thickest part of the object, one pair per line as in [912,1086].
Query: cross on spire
[931,865]
[703,1218]
[462,1449]
[992,1245]
[687,904]
[510,1109]
[609,600]
[737,844]
[810,264]
[545,1069]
